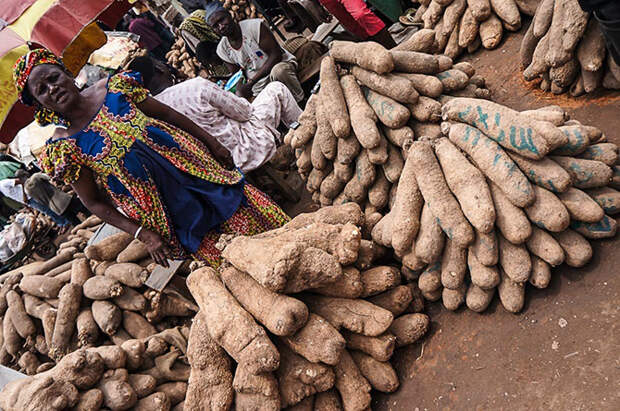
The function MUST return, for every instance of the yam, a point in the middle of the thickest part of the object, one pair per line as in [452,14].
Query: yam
[482,276]
[478,299]
[580,206]
[577,249]
[511,220]
[135,251]
[606,228]
[108,248]
[604,152]
[414,62]
[409,328]
[41,286]
[426,85]
[546,173]
[585,173]
[541,273]
[511,293]
[514,260]
[68,309]
[317,341]
[607,198]
[102,288]
[107,316]
[380,375]
[369,55]
[128,274]
[430,241]
[491,32]
[541,244]
[453,299]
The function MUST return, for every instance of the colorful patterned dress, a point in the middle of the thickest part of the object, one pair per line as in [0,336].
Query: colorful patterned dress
[160,176]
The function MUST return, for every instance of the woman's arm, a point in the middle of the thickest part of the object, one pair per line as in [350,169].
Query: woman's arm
[158,110]
[86,189]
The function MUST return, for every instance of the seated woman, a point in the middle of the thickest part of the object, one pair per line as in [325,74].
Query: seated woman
[157,166]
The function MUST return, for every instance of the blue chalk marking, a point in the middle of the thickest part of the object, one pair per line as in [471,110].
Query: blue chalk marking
[483,117]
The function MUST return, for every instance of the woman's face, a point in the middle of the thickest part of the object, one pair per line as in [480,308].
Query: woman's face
[53,88]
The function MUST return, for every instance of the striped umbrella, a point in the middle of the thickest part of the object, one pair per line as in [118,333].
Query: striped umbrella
[66,27]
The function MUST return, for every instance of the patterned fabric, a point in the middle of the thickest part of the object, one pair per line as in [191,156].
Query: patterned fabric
[248,131]
[196,25]
[153,171]
[21,72]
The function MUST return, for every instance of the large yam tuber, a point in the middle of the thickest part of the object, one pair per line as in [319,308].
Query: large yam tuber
[415,62]
[135,251]
[380,348]
[585,173]
[390,112]
[354,389]
[102,288]
[542,245]
[380,375]
[430,240]
[511,293]
[485,248]
[607,198]
[541,273]
[478,299]
[390,85]
[255,391]
[577,250]
[548,212]
[453,265]
[409,328]
[41,286]
[80,271]
[230,325]
[545,173]
[514,260]
[108,248]
[90,400]
[68,309]
[21,320]
[368,55]
[107,316]
[117,394]
[511,220]
[395,300]
[317,341]
[482,276]
[580,206]
[137,326]
[604,152]
[332,99]
[87,328]
[606,228]
[158,401]
[129,274]
[348,286]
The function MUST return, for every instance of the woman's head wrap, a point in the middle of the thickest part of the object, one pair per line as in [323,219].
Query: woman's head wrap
[21,72]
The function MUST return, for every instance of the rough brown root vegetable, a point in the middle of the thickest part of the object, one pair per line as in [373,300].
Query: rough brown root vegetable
[480,9]
[511,220]
[332,99]
[546,173]
[100,267]
[117,394]
[478,299]
[90,400]
[421,41]
[108,248]
[380,348]
[379,279]
[354,389]
[254,392]
[107,316]
[542,18]
[102,288]
[406,210]
[41,286]
[315,179]
[580,206]
[168,303]
[37,393]
[379,191]
[331,186]
[135,351]
[491,32]
[606,228]
[430,279]
[541,273]
[395,300]
[394,166]
[166,368]
[482,276]
[430,240]
[368,55]
[542,245]
[604,152]
[35,307]
[453,265]
[426,85]
[437,195]
[307,120]
[175,391]
[494,162]
[210,380]
[337,214]
[80,271]
[363,117]
[390,112]
[142,384]
[350,285]
[485,248]
[579,138]
[328,401]
[288,267]
[230,325]
[380,375]
[358,316]
[409,328]
[414,62]
[548,212]
[80,368]
[47,321]
[431,131]
[553,114]
[87,329]
[135,251]
[298,378]
[280,314]
[60,259]
[68,309]
[28,363]
[369,252]
[317,341]
[452,81]
[577,249]
[514,260]
[12,341]
[511,293]
[137,326]
[453,299]
[129,274]
[9,282]
[130,300]
[157,401]
[21,320]
[528,46]
[325,137]
[113,356]
[607,198]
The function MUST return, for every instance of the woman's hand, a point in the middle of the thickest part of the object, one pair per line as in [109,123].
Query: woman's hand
[244,90]
[156,246]
[223,156]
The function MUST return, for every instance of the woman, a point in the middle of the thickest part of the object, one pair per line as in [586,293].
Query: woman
[154,163]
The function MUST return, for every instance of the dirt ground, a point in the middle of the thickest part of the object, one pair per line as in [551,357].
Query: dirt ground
[563,351]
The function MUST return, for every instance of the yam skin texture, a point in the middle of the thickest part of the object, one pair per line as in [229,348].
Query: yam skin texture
[528,47]
[80,271]
[426,85]
[541,273]
[331,186]
[453,265]
[542,245]
[47,321]
[578,140]
[135,352]
[607,198]
[379,279]
[363,117]
[407,209]
[28,363]
[175,391]
[511,293]
[542,18]
[129,274]
[581,206]
[165,369]
[577,250]
[317,341]
[61,258]
[421,41]
[327,141]
[102,288]
[514,260]
[113,356]
[379,191]
[606,228]
[298,378]
[255,391]
[38,393]
[21,320]
[592,50]
[117,394]
[494,162]
[230,325]
[68,309]
[437,195]
[41,286]
[282,266]
[81,368]
[568,25]
[453,299]
[35,307]
[8,284]
[380,375]
[478,299]
[354,389]
[137,326]
[142,384]
[380,348]
[409,328]
[135,251]
[509,128]
[307,128]
[485,248]
[604,152]
[394,165]
[389,111]
[327,401]
[130,300]
[350,285]
[468,29]
[452,80]
[545,173]
[511,220]
[548,212]
[280,314]
[337,214]
[90,400]
[332,99]
[157,401]
[395,300]
[107,316]
[508,12]
[415,62]
[431,239]
[468,185]
[108,248]
[491,32]
[210,380]
[430,279]
[480,9]
[482,276]
[358,316]
[390,85]
[553,114]
[369,55]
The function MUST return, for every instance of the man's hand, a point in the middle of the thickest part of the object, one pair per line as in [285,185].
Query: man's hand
[244,90]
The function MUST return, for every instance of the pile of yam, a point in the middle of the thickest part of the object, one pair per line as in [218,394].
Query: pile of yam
[565,50]
[460,26]
[86,313]
[241,9]
[188,66]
